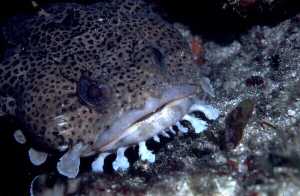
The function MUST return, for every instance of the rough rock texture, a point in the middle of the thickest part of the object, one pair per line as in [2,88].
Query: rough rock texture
[261,66]
[248,7]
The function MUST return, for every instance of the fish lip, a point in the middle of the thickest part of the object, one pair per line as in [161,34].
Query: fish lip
[107,141]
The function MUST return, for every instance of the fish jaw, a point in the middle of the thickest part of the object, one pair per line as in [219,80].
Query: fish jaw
[140,125]
[151,126]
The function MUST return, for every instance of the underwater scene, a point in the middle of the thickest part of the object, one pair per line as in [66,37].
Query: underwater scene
[150,97]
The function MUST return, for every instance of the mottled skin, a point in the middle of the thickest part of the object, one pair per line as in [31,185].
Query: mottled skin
[73,68]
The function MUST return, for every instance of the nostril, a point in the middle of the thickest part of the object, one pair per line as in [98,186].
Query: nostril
[91,93]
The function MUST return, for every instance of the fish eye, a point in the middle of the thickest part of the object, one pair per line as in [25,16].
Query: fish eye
[158,56]
[91,93]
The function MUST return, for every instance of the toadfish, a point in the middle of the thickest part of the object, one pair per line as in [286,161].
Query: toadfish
[96,79]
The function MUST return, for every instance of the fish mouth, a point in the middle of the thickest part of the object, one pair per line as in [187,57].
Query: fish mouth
[157,115]
[136,126]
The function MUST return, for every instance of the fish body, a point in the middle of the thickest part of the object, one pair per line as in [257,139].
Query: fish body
[89,79]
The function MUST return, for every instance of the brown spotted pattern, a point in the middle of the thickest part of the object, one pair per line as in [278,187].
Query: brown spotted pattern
[119,51]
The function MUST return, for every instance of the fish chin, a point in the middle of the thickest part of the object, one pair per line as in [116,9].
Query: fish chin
[157,115]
